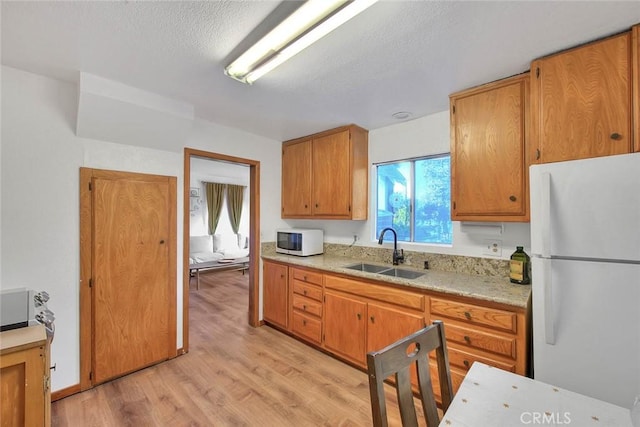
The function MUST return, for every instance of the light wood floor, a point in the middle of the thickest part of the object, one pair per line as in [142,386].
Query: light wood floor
[233,375]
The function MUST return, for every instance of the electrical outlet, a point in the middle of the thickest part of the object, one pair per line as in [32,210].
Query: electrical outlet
[492,247]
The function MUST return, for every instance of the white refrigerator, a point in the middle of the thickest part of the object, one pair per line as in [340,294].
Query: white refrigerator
[585,244]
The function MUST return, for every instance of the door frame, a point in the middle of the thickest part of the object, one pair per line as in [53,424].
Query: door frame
[254,233]
[86,250]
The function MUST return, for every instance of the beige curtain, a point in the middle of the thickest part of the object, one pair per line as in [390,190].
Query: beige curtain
[215,196]
[235,194]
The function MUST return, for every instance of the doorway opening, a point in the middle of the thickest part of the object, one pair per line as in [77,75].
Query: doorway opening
[254,233]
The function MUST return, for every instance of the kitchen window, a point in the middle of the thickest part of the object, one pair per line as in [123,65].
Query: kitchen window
[414,197]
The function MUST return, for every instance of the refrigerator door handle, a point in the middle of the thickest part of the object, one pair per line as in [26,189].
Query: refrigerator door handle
[545,214]
[547,297]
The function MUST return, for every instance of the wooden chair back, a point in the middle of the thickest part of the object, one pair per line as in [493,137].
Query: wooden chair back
[397,359]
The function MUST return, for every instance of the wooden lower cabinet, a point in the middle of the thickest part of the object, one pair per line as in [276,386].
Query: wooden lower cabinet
[350,317]
[24,377]
[275,293]
[306,304]
[345,326]
[487,333]
[386,325]
[363,317]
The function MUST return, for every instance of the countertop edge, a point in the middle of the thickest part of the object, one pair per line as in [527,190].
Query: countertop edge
[485,288]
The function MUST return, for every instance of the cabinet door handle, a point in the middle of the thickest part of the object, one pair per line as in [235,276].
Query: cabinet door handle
[616,136]
[304,307]
[359,316]
[513,198]
[317,205]
[466,363]
[282,276]
[467,339]
[467,315]
[306,206]
[373,319]
[304,322]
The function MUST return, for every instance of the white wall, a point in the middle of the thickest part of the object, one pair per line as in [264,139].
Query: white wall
[415,138]
[41,157]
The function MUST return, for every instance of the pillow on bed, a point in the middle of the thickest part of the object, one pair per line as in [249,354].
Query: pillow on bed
[199,244]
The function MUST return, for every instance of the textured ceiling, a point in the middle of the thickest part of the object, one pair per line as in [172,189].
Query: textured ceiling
[396,56]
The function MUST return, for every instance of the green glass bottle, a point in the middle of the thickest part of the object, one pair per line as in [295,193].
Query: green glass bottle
[520,267]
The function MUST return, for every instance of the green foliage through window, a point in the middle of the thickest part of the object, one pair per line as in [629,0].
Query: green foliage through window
[413,197]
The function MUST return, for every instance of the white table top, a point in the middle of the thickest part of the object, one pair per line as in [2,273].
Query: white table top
[492,397]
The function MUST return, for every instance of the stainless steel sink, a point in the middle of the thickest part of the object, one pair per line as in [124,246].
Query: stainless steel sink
[367,268]
[405,274]
[387,271]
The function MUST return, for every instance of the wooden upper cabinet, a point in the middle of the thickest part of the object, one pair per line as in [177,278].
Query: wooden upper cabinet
[331,175]
[296,179]
[489,176]
[326,175]
[582,101]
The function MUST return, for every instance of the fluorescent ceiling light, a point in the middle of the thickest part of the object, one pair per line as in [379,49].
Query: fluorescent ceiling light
[308,24]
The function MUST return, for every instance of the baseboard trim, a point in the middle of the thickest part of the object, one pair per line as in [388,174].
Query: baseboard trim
[65,392]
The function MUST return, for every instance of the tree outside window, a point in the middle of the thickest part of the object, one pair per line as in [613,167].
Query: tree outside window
[413,197]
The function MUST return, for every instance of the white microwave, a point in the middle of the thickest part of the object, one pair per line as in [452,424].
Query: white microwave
[299,241]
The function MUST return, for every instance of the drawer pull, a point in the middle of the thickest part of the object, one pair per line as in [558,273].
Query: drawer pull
[304,278]
[616,136]
[467,315]
[304,322]
[304,307]
[513,198]
[466,363]
[304,292]
[467,339]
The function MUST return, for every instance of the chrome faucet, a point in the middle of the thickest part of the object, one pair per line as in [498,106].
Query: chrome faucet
[397,256]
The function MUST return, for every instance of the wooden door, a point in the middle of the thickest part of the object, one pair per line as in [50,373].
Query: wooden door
[133,291]
[582,101]
[275,293]
[488,152]
[387,325]
[296,179]
[331,195]
[345,326]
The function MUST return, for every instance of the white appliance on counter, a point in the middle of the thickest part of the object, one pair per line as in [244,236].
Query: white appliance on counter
[300,241]
[585,241]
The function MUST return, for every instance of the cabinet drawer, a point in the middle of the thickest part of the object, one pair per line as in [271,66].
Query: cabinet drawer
[378,292]
[307,290]
[307,327]
[307,276]
[474,314]
[464,360]
[471,338]
[307,305]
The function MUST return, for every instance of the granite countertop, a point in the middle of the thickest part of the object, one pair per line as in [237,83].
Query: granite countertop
[489,288]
